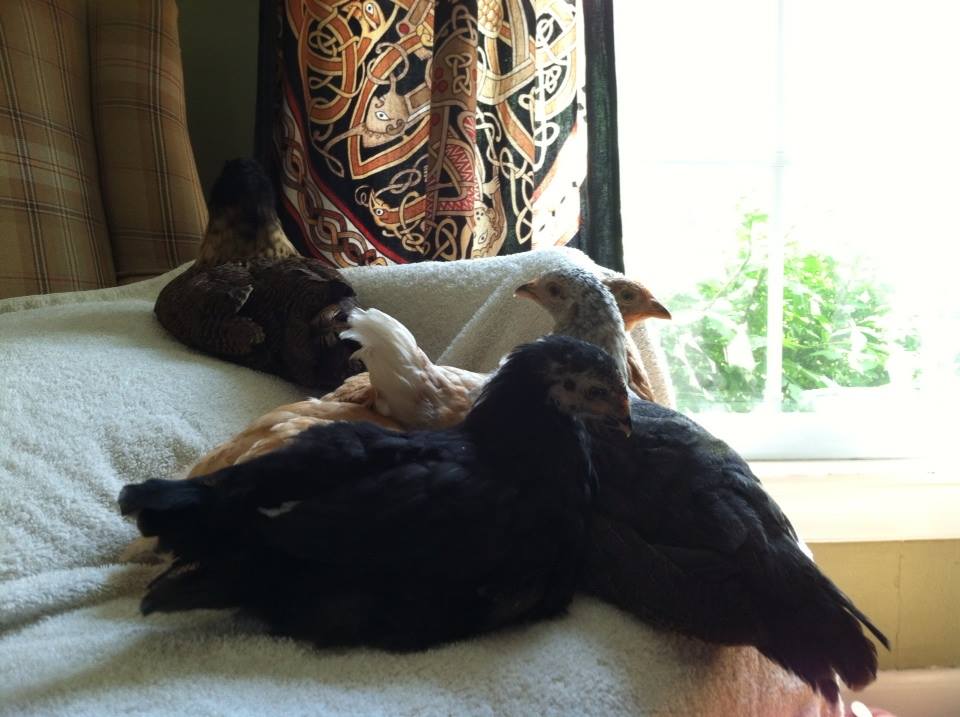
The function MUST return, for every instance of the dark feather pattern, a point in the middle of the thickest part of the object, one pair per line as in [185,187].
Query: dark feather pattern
[353,534]
[684,536]
[279,316]
[252,299]
[244,189]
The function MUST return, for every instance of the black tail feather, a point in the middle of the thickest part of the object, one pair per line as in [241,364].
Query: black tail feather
[158,494]
[829,688]
[865,621]
[825,639]
[856,656]
[176,511]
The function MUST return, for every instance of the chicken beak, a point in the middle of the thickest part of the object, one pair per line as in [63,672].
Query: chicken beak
[656,310]
[528,290]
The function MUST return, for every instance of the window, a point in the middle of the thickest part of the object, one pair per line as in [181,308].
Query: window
[790,174]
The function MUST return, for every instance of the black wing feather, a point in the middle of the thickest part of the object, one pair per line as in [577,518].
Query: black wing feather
[685,536]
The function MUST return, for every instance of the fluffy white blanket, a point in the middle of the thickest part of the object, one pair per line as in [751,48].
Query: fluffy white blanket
[94,394]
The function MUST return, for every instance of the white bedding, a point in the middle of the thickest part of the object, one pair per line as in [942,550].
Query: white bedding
[94,394]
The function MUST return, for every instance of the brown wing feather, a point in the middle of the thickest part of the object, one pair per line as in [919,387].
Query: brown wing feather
[357,389]
[639,379]
[279,426]
[222,292]
[303,304]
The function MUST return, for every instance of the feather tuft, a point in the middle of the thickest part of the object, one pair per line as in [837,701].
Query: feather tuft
[409,387]
[380,336]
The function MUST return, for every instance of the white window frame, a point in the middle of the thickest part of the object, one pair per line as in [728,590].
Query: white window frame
[768,433]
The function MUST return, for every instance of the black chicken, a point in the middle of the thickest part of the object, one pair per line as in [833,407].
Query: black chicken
[684,536]
[354,534]
[250,298]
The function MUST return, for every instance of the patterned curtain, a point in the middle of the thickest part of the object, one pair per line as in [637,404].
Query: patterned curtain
[412,130]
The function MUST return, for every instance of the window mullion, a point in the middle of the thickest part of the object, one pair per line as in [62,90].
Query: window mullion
[772,395]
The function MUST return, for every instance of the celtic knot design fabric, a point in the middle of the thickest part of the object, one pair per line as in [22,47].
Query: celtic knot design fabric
[412,130]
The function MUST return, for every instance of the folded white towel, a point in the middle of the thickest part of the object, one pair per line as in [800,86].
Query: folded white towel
[94,394]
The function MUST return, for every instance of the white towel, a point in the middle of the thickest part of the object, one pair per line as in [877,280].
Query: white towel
[94,394]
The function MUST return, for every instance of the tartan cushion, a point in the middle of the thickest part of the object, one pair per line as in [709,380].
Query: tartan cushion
[153,198]
[53,235]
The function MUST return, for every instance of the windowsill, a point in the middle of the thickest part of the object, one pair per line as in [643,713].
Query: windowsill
[866,501]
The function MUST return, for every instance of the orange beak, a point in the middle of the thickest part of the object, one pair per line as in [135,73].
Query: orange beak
[656,310]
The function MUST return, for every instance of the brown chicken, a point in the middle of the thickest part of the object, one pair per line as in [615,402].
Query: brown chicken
[243,220]
[636,303]
[250,298]
[276,428]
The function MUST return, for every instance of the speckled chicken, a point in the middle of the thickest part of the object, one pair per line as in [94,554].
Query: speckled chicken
[250,298]
[353,534]
[683,535]
[580,303]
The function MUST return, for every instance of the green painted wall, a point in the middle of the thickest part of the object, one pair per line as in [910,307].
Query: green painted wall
[218,39]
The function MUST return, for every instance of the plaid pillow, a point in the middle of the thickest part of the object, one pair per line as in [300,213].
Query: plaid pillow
[53,234]
[153,198]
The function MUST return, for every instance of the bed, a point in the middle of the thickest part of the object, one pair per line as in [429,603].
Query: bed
[94,394]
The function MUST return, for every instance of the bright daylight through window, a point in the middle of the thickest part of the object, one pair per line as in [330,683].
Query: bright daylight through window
[790,179]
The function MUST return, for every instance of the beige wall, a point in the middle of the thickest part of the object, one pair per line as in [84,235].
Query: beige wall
[910,589]
[219,45]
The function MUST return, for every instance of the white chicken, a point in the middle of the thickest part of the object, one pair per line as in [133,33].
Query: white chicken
[401,381]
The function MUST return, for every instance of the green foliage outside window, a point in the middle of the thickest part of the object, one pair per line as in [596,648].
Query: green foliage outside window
[834,322]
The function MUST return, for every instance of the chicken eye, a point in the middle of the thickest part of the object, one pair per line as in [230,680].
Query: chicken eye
[595,393]
[627,296]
